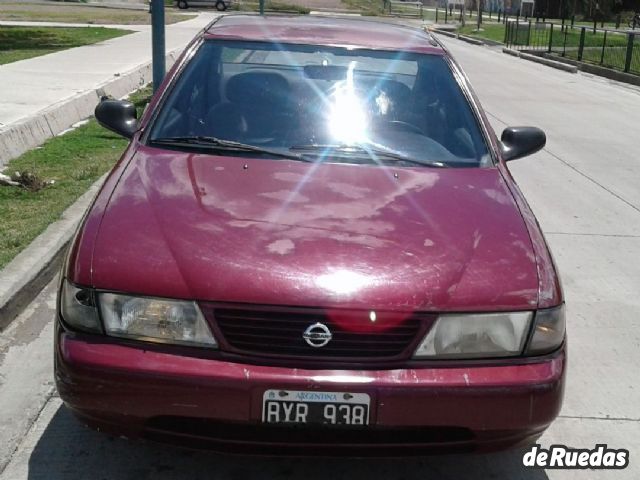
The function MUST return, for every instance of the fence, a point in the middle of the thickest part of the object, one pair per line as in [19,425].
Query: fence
[609,48]
[404,8]
[529,35]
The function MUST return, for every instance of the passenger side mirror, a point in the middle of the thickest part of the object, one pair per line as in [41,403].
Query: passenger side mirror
[518,142]
[119,116]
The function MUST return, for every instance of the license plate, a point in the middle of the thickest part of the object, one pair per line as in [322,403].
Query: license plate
[307,407]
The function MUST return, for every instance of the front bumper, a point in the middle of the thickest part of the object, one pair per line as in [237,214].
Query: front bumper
[127,390]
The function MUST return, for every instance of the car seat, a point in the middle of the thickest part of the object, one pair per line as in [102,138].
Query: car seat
[257,108]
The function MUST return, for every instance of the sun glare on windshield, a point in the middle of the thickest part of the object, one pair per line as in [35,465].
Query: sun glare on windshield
[347,119]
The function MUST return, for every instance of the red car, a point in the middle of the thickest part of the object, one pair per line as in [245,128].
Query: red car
[312,245]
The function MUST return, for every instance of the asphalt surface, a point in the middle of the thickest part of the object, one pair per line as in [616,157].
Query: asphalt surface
[584,188]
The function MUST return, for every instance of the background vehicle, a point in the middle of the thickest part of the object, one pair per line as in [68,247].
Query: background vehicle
[220,5]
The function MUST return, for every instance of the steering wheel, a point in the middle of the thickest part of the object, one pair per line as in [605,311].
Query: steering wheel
[404,126]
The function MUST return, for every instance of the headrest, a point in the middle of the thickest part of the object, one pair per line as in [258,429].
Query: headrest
[257,87]
[397,90]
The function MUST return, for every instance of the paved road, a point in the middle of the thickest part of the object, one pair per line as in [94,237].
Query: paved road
[584,189]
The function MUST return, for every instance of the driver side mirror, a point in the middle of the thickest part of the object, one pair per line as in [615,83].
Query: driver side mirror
[518,142]
[119,116]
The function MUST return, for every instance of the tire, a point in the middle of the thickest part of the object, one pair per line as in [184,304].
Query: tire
[182,4]
[221,6]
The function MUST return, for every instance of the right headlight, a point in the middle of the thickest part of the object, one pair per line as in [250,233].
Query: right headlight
[142,318]
[78,308]
[154,320]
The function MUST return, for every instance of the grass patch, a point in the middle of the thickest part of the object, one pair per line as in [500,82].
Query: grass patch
[493,32]
[566,44]
[18,43]
[613,55]
[270,6]
[539,36]
[366,7]
[75,13]
[74,161]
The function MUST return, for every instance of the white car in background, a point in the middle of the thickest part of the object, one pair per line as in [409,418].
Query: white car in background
[220,5]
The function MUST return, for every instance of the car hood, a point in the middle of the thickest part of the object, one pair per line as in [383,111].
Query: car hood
[283,232]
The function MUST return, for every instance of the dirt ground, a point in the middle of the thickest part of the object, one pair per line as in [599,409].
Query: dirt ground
[320,4]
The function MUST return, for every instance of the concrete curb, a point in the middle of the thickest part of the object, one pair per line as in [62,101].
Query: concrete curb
[492,43]
[598,70]
[549,63]
[444,32]
[20,137]
[30,271]
[471,40]
[510,51]
[465,38]
[541,60]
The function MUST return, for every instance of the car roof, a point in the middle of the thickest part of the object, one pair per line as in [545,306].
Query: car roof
[323,30]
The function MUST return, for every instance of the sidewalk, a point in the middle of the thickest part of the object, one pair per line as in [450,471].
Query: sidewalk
[43,96]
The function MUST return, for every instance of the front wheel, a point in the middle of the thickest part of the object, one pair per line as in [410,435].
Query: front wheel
[182,4]
[221,6]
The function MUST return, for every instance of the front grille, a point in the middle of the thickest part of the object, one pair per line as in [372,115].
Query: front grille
[354,334]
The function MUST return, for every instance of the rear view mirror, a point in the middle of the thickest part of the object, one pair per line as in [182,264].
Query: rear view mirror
[518,142]
[325,72]
[119,116]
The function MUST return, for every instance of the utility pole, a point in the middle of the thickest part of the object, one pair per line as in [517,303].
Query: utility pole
[157,41]
[261,7]
[462,13]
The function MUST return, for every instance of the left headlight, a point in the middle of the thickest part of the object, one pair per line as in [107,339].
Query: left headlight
[481,335]
[154,319]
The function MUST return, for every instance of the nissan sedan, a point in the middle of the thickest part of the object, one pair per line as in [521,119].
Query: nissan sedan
[313,245]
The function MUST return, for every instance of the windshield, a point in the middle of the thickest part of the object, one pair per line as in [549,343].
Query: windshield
[337,104]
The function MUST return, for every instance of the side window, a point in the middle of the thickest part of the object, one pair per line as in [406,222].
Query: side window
[444,111]
[187,108]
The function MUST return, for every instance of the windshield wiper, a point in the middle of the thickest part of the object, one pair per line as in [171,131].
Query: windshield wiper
[222,144]
[358,150]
